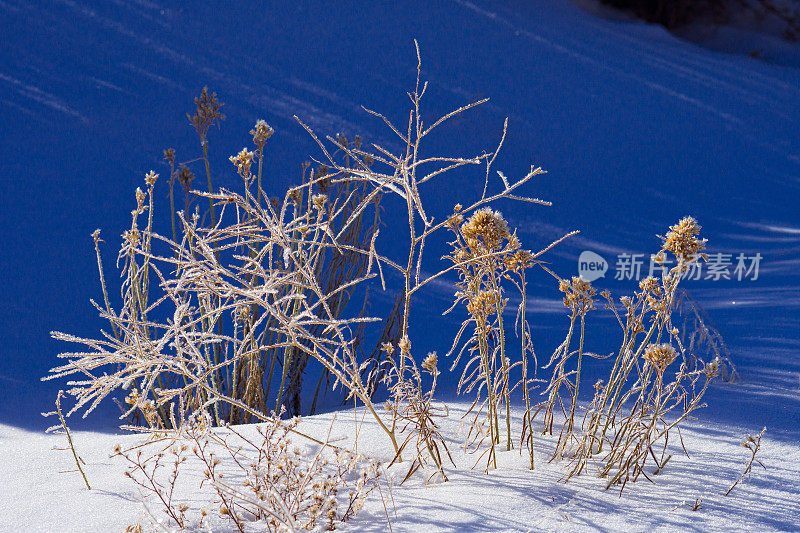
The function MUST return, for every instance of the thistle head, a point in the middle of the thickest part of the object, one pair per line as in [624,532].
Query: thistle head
[404,345]
[485,229]
[578,295]
[429,363]
[683,241]
[660,355]
[261,132]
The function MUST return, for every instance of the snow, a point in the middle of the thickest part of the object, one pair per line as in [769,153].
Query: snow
[511,498]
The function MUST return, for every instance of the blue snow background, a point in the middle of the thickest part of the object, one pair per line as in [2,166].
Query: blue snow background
[636,128]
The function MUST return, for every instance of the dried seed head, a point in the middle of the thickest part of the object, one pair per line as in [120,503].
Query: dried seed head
[649,284]
[578,295]
[140,197]
[682,240]
[318,200]
[429,363]
[169,155]
[521,259]
[485,229]
[132,236]
[261,132]
[243,160]
[320,176]
[482,304]
[185,177]
[711,370]
[150,178]
[296,195]
[404,345]
[456,218]
[206,113]
[660,355]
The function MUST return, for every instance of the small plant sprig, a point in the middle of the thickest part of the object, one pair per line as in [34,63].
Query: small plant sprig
[145,465]
[416,414]
[752,443]
[640,432]
[207,113]
[579,299]
[62,427]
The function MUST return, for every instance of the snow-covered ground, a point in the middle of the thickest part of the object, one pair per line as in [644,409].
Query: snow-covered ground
[512,498]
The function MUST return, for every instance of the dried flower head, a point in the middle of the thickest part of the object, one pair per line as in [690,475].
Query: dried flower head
[711,370]
[482,304]
[261,132]
[140,197]
[243,160]
[150,178]
[388,347]
[578,295]
[429,363]
[296,196]
[649,284]
[660,355]
[206,113]
[521,259]
[485,229]
[456,218]
[318,200]
[185,177]
[404,345]
[682,240]
[169,155]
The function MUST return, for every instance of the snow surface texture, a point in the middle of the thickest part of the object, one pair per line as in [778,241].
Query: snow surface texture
[512,498]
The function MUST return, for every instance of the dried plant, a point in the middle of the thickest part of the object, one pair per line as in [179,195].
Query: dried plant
[196,339]
[415,411]
[146,463]
[647,426]
[240,306]
[633,417]
[401,174]
[206,114]
[752,443]
[62,429]
[487,257]
[265,478]
[700,337]
[220,321]
[579,298]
